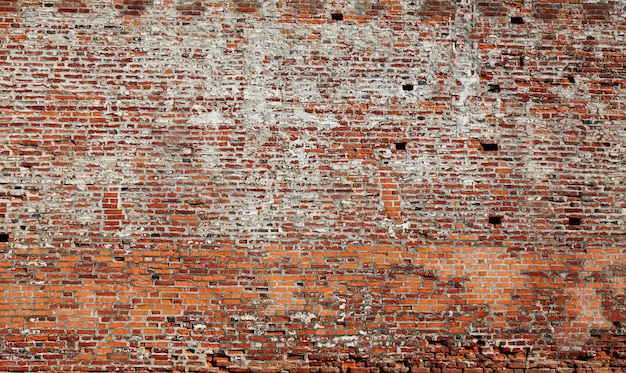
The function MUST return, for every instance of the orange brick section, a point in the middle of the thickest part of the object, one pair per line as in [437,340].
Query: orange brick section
[311,186]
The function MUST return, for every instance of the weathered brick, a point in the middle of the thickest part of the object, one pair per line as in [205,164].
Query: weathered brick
[312,186]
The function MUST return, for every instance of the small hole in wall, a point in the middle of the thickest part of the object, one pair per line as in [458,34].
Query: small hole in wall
[4,237]
[495,220]
[494,88]
[489,147]
[574,221]
[401,146]
[517,20]
[336,16]
[407,87]
[595,333]
[571,79]
[300,283]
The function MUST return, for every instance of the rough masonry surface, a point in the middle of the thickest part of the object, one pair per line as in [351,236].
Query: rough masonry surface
[374,186]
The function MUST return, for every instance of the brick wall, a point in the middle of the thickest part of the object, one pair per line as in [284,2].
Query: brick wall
[376,186]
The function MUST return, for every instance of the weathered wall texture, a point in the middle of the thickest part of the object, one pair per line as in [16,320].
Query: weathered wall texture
[313,186]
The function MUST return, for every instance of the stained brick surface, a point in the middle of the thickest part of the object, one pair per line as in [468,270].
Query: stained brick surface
[313,186]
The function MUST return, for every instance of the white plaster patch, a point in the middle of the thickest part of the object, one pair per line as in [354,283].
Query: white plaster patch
[347,340]
[304,317]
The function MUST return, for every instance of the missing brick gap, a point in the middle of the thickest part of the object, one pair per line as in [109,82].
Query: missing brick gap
[574,221]
[407,87]
[336,16]
[489,147]
[495,220]
[401,146]
[494,88]
[4,237]
[517,20]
